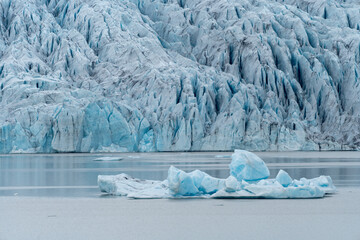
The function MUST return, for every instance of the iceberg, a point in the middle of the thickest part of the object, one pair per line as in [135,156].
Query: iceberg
[283,178]
[247,166]
[183,184]
[109,159]
[231,184]
[198,184]
[193,183]
[125,185]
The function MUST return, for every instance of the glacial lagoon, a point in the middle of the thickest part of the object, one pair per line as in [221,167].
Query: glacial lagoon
[45,196]
[75,175]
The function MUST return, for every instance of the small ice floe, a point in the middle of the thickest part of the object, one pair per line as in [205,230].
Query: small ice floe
[109,159]
[248,179]
[222,156]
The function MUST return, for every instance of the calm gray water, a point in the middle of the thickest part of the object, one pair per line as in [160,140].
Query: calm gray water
[75,175]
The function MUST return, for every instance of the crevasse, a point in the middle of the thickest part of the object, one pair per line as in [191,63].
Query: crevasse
[151,75]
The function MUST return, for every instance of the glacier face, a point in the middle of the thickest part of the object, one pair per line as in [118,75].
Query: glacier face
[165,75]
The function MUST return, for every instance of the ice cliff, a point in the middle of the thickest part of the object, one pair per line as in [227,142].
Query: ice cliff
[166,75]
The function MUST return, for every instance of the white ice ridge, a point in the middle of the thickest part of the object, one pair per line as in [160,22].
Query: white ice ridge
[180,184]
[178,75]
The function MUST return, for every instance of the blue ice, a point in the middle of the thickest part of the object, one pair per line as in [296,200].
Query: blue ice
[247,166]
[248,179]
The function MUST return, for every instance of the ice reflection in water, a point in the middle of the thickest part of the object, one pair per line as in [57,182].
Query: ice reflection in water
[75,175]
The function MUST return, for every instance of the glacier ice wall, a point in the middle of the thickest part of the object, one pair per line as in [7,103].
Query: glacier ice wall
[166,75]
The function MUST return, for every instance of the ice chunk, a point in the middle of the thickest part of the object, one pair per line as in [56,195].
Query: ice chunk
[109,159]
[273,191]
[261,191]
[323,182]
[156,190]
[237,194]
[125,185]
[181,183]
[121,184]
[231,184]
[193,183]
[197,177]
[283,178]
[210,184]
[200,184]
[222,156]
[247,166]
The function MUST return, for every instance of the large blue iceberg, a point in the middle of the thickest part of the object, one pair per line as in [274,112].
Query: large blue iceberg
[248,179]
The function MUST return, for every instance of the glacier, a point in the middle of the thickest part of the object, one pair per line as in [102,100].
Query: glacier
[198,184]
[166,75]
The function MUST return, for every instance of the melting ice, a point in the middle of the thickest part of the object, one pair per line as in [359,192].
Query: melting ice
[248,179]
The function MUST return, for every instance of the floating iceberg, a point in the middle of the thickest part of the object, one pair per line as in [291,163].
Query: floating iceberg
[125,185]
[180,184]
[193,183]
[283,178]
[247,166]
[109,159]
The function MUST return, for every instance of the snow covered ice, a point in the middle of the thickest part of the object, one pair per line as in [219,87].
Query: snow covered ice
[125,185]
[180,184]
[155,75]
